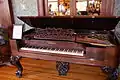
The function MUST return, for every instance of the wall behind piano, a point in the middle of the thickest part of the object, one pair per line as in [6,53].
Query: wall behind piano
[24,8]
[117,8]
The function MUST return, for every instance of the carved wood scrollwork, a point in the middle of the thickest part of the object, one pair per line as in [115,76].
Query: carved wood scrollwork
[62,68]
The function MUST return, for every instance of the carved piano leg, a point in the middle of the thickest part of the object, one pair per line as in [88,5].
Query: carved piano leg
[14,60]
[111,72]
[62,68]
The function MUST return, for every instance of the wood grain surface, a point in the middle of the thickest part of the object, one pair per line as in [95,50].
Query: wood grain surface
[46,70]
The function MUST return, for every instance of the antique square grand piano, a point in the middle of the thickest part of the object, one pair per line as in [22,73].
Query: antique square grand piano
[69,39]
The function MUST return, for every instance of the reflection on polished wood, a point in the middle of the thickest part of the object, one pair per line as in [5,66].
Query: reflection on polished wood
[45,70]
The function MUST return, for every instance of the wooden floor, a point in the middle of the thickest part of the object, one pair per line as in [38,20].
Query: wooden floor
[46,70]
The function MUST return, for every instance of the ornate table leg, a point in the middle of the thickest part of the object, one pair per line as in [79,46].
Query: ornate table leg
[14,60]
[62,67]
[111,72]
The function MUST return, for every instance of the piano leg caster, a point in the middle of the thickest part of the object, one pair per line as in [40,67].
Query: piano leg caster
[111,72]
[14,60]
[62,68]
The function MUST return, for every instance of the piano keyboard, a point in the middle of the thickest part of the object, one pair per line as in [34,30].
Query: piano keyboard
[55,50]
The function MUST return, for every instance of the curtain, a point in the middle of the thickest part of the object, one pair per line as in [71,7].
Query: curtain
[117,8]
[107,7]
[40,8]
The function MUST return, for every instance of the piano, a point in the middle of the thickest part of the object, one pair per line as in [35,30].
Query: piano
[69,39]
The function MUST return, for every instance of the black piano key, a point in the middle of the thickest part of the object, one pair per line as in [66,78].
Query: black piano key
[25,46]
[80,51]
[42,48]
[37,47]
[65,50]
[52,48]
[61,49]
[34,47]
[76,51]
[29,46]
[56,49]
[70,50]
[45,47]
[73,50]
[48,48]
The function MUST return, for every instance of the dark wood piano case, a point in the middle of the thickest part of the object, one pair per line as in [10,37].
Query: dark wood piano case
[105,57]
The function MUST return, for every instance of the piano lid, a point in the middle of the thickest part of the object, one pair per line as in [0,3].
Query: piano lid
[76,22]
